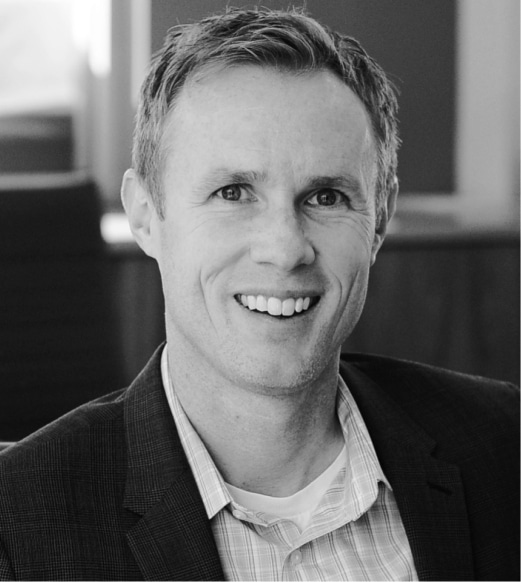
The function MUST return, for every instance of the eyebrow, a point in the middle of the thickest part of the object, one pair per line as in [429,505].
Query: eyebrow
[227,176]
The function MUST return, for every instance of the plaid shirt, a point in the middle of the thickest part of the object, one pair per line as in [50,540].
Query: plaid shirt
[356,532]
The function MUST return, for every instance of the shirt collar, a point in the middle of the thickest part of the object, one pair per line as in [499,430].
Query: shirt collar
[363,467]
[209,480]
[357,438]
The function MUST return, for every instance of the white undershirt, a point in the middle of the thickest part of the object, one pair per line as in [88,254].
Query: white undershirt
[298,507]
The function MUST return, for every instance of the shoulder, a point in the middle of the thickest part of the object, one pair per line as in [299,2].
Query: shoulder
[97,426]
[409,381]
[62,489]
[79,423]
[460,412]
[468,425]
[87,441]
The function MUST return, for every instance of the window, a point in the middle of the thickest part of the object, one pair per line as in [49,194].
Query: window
[70,71]
[39,89]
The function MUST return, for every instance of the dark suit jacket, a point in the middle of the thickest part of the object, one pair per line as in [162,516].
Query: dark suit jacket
[106,491]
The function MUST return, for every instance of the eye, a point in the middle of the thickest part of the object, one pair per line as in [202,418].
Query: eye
[327,197]
[231,193]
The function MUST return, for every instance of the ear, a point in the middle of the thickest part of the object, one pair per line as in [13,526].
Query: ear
[140,211]
[384,219]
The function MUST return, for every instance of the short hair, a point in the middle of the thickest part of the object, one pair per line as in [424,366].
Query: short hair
[289,41]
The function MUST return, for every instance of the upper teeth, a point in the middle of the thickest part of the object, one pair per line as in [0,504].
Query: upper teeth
[274,305]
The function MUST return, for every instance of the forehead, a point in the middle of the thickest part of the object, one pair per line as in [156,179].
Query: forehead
[260,115]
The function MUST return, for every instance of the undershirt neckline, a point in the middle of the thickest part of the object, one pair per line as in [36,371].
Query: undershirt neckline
[297,507]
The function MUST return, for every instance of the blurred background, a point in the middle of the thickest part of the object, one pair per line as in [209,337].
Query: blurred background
[81,307]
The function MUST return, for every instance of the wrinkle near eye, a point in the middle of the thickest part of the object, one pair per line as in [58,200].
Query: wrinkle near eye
[365,227]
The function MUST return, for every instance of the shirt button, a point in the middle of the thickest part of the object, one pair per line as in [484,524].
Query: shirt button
[296,558]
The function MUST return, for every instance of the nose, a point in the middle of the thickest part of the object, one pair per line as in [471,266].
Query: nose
[279,239]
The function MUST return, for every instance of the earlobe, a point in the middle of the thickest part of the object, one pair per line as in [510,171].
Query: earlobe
[384,219]
[140,211]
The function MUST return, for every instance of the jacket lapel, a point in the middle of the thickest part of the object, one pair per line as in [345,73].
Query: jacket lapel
[428,491]
[173,539]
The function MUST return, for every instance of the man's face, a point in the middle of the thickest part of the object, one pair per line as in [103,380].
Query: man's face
[269,226]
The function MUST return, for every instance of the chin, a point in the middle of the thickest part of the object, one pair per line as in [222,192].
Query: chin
[282,374]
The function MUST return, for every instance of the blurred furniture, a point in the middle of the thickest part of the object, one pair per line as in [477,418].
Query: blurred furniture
[58,332]
[36,142]
[450,301]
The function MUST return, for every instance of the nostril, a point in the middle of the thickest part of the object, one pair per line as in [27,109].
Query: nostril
[286,253]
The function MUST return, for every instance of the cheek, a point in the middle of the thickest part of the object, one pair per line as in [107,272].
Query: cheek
[347,251]
[352,274]
[347,269]
[200,256]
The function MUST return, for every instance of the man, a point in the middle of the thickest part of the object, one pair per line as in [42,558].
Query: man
[264,180]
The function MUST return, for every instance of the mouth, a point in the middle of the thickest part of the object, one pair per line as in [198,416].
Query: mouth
[276,307]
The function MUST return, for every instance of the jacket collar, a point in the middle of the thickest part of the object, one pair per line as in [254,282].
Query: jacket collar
[428,491]
[173,539]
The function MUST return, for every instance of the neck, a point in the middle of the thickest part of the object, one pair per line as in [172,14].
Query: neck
[262,441]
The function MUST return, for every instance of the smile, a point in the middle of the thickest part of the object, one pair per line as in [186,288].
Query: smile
[275,306]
